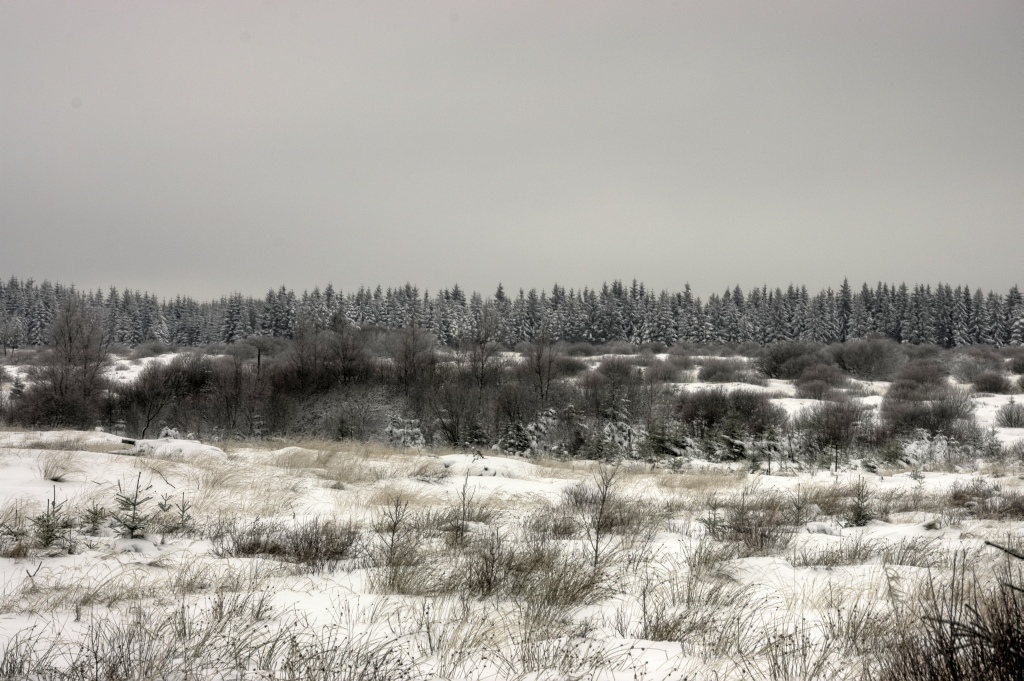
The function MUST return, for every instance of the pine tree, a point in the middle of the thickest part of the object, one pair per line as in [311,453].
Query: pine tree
[960,317]
[36,328]
[845,309]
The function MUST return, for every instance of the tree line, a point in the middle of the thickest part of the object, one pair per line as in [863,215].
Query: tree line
[919,314]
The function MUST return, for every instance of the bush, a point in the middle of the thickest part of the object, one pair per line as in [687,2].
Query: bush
[316,544]
[618,348]
[644,359]
[789,360]
[681,362]
[150,350]
[619,370]
[565,366]
[1017,365]
[1010,415]
[707,412]
[923,351]
[992,382]
[950,413]
[722,371]
[832,425]
[828,374]
[919,380]
[663,372]
[814,390]
[580,350]
[971,362]
[818,381]
[875,359]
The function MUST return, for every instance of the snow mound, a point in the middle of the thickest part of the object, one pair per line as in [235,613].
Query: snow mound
[822,528]
[795,405]
[140,546]
[179,450]
[292,451]
[487,466]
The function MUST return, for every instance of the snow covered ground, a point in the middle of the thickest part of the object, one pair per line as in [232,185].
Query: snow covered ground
[298,558]
[180,559]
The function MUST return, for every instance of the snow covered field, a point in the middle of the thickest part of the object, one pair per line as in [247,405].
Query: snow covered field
[177,559]
[346,561]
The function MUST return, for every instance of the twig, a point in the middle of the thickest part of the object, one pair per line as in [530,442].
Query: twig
[1004,549]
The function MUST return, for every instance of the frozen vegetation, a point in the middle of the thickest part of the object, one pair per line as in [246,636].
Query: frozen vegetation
[814,548]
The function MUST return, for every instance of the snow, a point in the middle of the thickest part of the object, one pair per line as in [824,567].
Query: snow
[123,370]
[178,450]
[291,484]
[512,486]
[795,405]
[140,546]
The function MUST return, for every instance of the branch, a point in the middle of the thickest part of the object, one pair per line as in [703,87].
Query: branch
[1004,549]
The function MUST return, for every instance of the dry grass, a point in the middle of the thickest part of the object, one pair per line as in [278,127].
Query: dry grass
[435,578]
[58,466]
[68,443]
[700,481]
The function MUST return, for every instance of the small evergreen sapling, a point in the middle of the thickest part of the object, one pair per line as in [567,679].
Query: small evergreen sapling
[131,516]
[860,513]
[93,518]
[50,525]
[180,513]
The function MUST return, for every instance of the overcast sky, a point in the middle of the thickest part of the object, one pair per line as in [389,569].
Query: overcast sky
[210,147]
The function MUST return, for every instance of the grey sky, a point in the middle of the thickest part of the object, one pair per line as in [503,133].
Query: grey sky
[208,147]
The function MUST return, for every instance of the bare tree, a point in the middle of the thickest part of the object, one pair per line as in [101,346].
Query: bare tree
[68,384]
[541,356]
[411,352]
[146,398]
[483,348]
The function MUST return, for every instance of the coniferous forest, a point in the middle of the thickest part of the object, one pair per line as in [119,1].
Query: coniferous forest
[919,314]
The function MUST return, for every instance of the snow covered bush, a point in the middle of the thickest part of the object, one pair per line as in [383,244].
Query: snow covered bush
[624,439]
[515,440]
[530,438]
[405,433]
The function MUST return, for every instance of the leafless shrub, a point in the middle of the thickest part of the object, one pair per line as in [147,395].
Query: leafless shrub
[796,654]
[967,627]
[660,371]
[605,516]
[1010,415]
[755,519]
[317,544]
[915,552]
[968,364]
[851,550]
[993,382]
[397,555]
[870,360]
[722,371]
[790,360]
[686,605]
